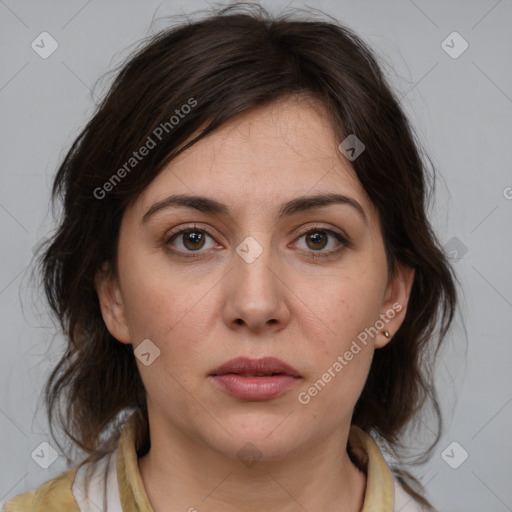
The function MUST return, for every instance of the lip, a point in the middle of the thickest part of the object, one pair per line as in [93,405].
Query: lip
[255,379]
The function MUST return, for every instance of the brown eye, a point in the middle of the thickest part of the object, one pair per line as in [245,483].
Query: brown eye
[316,239]
[193,240]
[189,241]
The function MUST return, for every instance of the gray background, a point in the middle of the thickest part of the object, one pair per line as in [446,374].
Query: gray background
[461,109]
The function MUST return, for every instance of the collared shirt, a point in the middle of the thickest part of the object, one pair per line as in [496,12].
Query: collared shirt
[114,483]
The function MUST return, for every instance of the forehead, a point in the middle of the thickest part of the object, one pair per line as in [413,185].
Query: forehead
[261,158]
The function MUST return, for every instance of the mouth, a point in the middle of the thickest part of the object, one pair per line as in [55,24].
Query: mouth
[255,379]
[247,367]
[259,374]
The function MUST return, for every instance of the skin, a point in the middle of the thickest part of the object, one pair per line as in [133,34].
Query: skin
[201,312]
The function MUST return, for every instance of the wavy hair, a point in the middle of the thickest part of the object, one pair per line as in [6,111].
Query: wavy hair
[235,59]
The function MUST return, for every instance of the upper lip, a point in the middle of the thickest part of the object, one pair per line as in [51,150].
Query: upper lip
[256,367]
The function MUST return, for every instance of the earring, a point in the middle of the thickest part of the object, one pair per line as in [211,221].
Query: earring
[386,333]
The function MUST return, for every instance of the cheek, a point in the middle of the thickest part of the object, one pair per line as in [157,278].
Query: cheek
[336,320]
[158,299]
[341,309]
[339,354]
[175,312]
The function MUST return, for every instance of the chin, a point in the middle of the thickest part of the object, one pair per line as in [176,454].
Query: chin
[255,438]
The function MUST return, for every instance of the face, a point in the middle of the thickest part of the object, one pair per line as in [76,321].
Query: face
[253,278]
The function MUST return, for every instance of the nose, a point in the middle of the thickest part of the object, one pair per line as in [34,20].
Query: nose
[256,291]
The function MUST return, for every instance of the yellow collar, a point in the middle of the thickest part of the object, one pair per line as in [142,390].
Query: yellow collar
[65,492]
[379,496]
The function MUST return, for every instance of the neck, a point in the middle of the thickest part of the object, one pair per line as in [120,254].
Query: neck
[181,474]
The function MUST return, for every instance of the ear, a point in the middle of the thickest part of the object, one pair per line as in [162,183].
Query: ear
[395,302]
[112,307]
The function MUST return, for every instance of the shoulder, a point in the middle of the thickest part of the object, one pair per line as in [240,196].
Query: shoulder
[54,495]
[89,486]
[383,489]
[84,488]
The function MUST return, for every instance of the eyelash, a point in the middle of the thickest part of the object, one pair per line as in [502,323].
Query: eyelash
[314,254]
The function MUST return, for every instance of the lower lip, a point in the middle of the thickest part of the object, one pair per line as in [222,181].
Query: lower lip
[255,388]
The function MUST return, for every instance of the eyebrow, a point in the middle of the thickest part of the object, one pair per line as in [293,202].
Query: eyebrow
[292,207]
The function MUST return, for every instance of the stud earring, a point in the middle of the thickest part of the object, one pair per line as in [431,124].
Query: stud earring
[386,333]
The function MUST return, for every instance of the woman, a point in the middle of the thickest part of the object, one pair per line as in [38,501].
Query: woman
[246,277]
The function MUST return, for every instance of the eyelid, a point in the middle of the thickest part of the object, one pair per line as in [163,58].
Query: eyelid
[300,233]
[328,229]
[180,229]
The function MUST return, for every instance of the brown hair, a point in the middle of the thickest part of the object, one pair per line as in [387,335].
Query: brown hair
[221,66]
